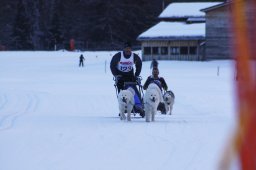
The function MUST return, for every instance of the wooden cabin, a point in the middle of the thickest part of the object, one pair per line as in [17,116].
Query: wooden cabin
[173,41]
[180,34]
[218,32]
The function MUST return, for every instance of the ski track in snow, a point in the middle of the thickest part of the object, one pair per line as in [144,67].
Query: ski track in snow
[15,106]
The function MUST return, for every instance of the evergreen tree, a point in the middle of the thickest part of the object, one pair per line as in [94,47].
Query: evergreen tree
[55,29]
[6,21]
[94,24]
[117,21]
[22,30]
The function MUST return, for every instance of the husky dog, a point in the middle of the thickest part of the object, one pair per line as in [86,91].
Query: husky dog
[126,103]
[152,98]
[169,101]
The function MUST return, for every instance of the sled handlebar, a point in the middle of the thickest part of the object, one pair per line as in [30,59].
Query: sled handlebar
[137,79]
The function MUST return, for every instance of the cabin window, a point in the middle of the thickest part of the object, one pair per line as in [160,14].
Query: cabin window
[175,50]
[155,50]
[147,50]
[183,50]
[193,50]
[164,50]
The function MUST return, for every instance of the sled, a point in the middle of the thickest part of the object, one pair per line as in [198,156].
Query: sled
[138,97]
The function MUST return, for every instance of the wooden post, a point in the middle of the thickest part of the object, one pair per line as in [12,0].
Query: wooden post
[105,66]
[163,5]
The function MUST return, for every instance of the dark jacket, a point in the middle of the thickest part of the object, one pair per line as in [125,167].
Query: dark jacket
[159,81]
[81,58]
[114,62]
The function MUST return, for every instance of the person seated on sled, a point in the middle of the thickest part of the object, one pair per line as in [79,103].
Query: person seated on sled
[121,66]
[160,82]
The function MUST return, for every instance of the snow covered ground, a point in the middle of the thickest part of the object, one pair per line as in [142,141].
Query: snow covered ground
[57,116]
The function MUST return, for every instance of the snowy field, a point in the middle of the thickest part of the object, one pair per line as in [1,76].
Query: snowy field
[57,116]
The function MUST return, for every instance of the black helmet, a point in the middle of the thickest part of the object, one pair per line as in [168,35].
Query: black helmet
[127,44]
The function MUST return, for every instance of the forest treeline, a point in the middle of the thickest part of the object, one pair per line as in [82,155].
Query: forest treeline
[92,24]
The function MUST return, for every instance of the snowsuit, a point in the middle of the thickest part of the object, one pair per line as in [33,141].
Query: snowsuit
[81,60]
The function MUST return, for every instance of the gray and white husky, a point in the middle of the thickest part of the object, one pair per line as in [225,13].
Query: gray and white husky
[169,98]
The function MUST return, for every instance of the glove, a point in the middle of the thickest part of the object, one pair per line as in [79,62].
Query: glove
[138,79]
[117,78]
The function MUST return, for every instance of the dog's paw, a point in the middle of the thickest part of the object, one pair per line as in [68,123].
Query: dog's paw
[122,116]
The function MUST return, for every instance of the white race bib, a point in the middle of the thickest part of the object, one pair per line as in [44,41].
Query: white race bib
[126,64]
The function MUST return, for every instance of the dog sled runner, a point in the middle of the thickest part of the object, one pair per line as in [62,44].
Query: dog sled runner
[138,97]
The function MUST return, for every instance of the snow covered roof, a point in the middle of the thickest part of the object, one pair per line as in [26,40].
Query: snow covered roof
[188,9]
[215,6]
[174,30]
